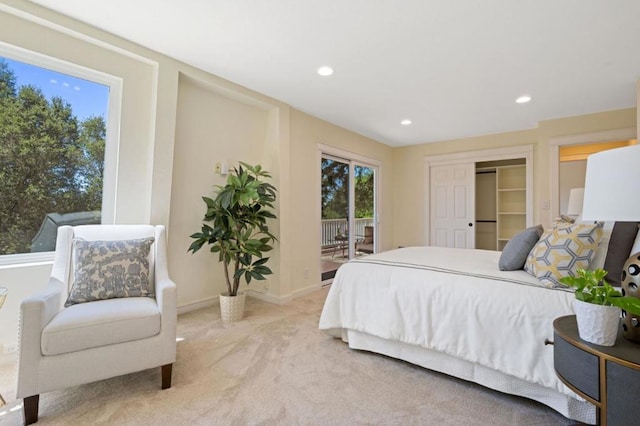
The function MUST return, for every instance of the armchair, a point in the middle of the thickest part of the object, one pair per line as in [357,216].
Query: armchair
[62,346]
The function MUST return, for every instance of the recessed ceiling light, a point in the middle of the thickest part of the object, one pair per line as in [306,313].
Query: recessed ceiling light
[325,71]
[405,122]
[523,99]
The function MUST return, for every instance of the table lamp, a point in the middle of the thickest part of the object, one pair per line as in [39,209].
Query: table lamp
[612,192]
[576,197]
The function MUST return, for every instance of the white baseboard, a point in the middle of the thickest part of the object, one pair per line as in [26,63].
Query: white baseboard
[307,290]
[270,298]
[281,300]
[198,305]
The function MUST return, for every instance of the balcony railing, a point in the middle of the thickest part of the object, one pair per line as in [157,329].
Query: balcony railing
[331,228]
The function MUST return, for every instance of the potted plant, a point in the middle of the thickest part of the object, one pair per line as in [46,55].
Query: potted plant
[598,306]
[238,232]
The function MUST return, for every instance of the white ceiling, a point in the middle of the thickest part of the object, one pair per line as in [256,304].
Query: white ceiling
[454,67]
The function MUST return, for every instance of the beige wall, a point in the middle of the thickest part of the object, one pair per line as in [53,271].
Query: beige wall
[210,129]
[136,139]
[306,134]
[177,122]
[409,205]
[408,163]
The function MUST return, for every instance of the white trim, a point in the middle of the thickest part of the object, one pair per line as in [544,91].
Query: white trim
[212,301]
[522,151]
[348,155]
[305,291]
[555,143]
[269,298]
[26,260]
[281,300]
[112,140]
[27,16]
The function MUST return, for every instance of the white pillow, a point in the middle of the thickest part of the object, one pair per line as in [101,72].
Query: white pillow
[603,247]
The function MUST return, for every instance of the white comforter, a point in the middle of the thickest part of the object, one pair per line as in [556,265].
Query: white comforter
[427,296]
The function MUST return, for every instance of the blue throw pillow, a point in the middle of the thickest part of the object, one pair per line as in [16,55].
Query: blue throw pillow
[515,252]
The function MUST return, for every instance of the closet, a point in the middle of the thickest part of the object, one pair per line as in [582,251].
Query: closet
[501,202]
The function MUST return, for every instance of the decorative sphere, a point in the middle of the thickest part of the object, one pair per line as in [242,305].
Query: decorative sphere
[631,287]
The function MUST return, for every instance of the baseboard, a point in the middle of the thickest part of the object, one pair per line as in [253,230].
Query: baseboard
[270,298]
[198,305]
[307,290]
[281,300]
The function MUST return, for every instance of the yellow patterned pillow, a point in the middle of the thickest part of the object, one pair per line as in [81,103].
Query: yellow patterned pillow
[562,250]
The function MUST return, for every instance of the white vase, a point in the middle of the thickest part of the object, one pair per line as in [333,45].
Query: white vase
[596,323]
[232,307]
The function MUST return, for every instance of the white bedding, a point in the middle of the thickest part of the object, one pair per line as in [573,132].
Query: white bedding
[428,297]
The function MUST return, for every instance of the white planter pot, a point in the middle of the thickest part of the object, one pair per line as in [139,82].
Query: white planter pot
[596,323]
[232,307]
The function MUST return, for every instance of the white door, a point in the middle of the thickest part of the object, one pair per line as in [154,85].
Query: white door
[451,202]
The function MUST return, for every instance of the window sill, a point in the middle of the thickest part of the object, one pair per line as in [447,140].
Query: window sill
[26,259]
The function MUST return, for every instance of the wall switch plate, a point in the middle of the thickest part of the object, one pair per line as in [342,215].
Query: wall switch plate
[218,168]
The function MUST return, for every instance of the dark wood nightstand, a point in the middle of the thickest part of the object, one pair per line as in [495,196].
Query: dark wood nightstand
[608,377]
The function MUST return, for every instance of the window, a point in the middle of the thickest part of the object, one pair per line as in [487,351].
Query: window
[54,145]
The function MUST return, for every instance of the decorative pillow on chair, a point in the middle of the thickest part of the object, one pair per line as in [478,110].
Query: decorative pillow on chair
[515,252]
[562,250]
[110,269]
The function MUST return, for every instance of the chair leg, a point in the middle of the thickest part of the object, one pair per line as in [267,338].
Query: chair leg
[30,409]
[166,376]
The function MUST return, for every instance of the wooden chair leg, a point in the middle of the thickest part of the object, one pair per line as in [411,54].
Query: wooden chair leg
[166,376]
[30,409]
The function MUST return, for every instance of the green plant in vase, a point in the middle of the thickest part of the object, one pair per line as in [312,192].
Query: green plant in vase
[236,225]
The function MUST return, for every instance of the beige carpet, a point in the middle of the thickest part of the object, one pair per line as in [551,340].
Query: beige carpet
[276,368]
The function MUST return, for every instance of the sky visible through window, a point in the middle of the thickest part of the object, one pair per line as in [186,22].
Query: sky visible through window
[87,98]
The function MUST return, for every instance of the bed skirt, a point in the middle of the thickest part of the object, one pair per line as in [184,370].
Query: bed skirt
[572,408]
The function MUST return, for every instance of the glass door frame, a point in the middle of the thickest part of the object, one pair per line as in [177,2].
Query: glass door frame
[353,160]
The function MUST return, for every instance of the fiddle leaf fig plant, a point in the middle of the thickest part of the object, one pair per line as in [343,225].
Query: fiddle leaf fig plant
[236,225]
[591,287]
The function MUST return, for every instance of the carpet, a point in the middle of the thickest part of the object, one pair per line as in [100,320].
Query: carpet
[276,368]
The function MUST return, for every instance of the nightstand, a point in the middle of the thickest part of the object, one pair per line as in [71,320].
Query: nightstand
[607,377]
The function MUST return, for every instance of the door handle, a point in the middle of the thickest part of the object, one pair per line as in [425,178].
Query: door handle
[470,224]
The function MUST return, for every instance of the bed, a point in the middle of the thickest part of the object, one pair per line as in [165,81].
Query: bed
[453,311]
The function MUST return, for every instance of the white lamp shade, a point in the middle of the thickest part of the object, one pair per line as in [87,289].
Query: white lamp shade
[576,197]
[612,185]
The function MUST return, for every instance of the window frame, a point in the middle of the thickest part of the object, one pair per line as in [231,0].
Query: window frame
[112,138]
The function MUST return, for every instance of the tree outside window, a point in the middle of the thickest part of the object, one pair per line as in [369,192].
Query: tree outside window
[335,188]
[51,159]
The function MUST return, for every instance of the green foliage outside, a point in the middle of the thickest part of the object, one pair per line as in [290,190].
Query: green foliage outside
[49,161]
[335,190]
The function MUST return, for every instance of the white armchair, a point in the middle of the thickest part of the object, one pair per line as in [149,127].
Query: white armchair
[62,346]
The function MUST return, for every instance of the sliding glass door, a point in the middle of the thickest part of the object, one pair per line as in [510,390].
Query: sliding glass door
[348,211]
